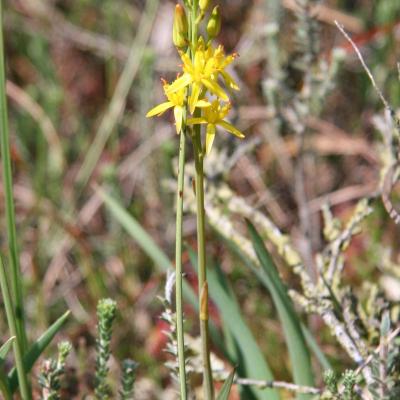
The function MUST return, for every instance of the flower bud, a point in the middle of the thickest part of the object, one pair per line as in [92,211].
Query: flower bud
[214,24]
[204,4]
[180,28]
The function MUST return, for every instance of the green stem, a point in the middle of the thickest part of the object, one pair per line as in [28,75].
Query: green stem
[16,284]
[201,249]
[202,272]
[12,323]
[178,266]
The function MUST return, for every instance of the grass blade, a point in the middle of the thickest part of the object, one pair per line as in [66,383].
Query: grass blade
[123,86]
[37,349]
[160,259]
[20,370]
[5,348]
[314,347]
[298,350]
[311,342]
[248,357]
[4,387]
[226,387]
[15,276]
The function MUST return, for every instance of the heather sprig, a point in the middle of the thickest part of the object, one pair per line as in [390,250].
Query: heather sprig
[51,373]
[128,379]
[106,312]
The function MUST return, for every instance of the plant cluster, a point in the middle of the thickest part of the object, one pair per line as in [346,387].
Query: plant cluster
[362,321]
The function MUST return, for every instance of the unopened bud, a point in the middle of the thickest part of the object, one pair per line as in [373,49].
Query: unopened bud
[214,24]
[204,4]
[180,29]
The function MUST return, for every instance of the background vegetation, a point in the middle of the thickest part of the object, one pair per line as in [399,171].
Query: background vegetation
[81,76]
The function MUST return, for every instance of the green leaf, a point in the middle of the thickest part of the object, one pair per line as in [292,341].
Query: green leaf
[226,387]
[4,386]
[314,347]
[311,342]
[248,355]
[5,348]
[37,349]
[160,259]
[298,350]
[135,230]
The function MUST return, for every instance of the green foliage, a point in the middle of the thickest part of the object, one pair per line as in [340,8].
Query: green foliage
[37,349]
[226,387]
[106,313]
[67,56]
[51,373]
[299,354]
[331,380]
[128,379]
[5,348]
[349,381]
[245,352]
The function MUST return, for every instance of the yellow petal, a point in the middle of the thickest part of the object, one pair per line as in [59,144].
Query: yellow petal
[194,96]
[210,137]
[196,121]
[230,81]
[179,84]
[159,110]
[230,128]
[203,104]
[215,88]
[178,113]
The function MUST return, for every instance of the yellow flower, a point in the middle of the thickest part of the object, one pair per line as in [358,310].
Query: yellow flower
[213,116]
[199,73]
[221,61]
[176,100]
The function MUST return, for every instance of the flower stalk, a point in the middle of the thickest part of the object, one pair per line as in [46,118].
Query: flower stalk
[178,267]
[203,67]
[202,270]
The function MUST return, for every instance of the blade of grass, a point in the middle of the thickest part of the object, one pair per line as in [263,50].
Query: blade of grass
[226,387]
[312,344]
[298,350]
[160,259]
[249,359]
[4,388]
[16,276]
[20,370]
[37,348]
[314,347]
[5,348]
[117,104]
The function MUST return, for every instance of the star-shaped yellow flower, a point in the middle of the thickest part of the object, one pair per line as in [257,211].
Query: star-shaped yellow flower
[213,116]
[221,61]
[176,100]
[201,72]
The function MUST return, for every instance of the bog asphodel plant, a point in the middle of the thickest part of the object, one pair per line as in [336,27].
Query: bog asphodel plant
[199,97]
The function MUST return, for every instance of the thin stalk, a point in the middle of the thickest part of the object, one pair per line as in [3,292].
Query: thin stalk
[16,283]
[202,272]
[178,267]
[201,249]
[12,323]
